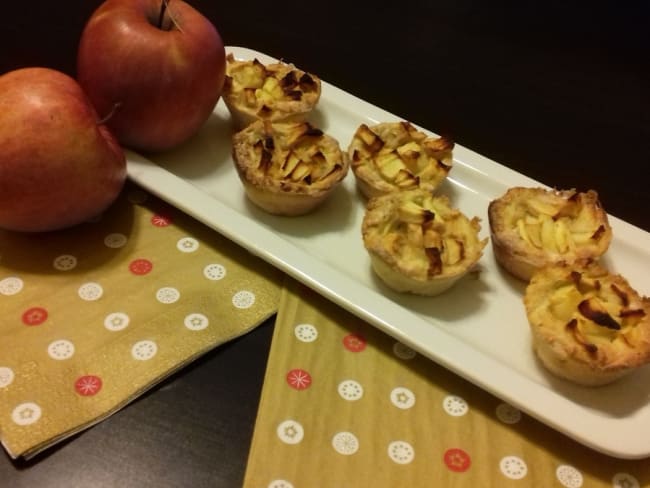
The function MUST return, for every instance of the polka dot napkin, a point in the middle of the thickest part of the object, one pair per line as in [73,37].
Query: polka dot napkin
[93,316]
[344,405]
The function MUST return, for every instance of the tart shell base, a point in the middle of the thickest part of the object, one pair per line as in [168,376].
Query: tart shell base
[288,204]
[402,283]
[516,266]
[580,373]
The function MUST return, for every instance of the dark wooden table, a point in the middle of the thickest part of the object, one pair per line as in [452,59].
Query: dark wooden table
[560,93]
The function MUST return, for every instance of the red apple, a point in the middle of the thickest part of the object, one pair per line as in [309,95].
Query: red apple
[157,66]
[58,166]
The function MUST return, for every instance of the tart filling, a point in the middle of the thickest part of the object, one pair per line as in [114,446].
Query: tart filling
[588,325]
[418,243]
[396,156]
[287,168]
[273,92]
[535,227]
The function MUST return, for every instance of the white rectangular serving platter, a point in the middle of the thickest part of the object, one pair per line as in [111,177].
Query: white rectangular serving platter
[478,329]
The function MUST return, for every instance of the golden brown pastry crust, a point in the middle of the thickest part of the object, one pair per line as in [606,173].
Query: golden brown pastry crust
[588,325]
[393,156]
[274,92]
[287,168]
[535,227]
[418,243]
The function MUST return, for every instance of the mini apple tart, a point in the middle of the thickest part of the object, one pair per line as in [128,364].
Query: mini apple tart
[274,92]
[534,227]
[287,168]
[588,325]
[418,243]
[393,156]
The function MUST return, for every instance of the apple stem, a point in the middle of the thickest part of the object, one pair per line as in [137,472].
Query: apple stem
[110,114]
[161,16]
[164,4]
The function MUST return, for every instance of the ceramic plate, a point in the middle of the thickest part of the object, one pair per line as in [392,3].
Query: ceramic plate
[478,329]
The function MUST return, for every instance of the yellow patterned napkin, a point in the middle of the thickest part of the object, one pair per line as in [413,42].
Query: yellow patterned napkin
[345,405]
[93,316]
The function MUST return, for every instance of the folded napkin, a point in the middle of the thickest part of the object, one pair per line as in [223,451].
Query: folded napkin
[93,316]
[343,404]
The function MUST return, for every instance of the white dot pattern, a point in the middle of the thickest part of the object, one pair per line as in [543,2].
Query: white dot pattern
[116,321]
[345,443]
[401,452]
[455,406]
[290,432]
[569,476]
[6,376]
[11,286]
[90,292]
[115,240]
[196,321]
[513,467]
[402,398]
[144,350]
[168,295]
[26,413]
[280,484]
[625,480]
[65,262]
[306,332]
[508,414]
[243,299]
[187,244]
[60,349]
[402,351]
[214,272]
[350,390]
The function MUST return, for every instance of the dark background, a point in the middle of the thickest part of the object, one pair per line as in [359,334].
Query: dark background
[556,90]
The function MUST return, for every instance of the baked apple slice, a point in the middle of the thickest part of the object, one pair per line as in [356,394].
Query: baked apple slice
[287,168]
[274,92]
[394,156]
[535,227]
[418,243]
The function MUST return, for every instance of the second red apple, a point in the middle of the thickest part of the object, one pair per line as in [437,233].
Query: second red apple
[154,68]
